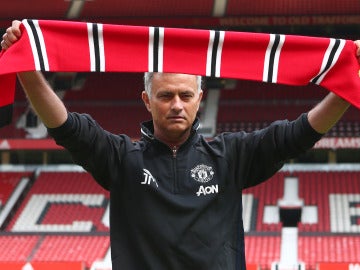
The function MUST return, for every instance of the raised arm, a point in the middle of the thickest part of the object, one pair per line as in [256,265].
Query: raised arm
[43,99]
[325,114]
[47,105]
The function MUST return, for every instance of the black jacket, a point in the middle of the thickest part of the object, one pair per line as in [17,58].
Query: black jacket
[180,210]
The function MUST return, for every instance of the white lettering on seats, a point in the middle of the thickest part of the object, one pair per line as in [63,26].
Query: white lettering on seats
[344,213]
[37,205]
[354,266]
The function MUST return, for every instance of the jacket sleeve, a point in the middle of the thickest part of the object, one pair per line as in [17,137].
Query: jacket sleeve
[262,153]
[91,147]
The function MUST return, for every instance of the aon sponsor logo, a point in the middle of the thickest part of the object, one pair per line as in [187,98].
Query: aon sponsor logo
[207,190]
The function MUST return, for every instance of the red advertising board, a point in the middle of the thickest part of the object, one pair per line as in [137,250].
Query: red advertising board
[49,144]
[338,266]
[42,266]
[27,144]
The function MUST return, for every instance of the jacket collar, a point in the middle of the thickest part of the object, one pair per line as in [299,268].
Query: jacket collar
[147,129]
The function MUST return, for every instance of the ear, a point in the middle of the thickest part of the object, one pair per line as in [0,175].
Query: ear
[201,94]
[146,100]
[200,98]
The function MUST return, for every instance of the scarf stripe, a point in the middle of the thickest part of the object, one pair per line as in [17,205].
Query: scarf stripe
[156,49]
[37,45]
[272,56]
[96,47]
[215,44]
[330,58]
[213,62]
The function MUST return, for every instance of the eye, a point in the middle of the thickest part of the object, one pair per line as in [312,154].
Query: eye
[165,95]
[187,96]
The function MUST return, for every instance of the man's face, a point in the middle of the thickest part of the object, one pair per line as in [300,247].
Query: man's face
[173,105]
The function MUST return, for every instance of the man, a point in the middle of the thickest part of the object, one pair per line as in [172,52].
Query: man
[175,197]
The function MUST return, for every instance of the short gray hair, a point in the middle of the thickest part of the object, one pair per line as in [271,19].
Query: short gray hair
[148,76]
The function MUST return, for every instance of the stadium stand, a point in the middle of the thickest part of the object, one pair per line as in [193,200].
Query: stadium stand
[17,247]
[331,249]
[12,187]
[262,250]
[82,202]
[333,237]
[8,183]
[332,194]
[282,7]
[82,205]
[72,248]
[80,199]
[250,106]
[113,99]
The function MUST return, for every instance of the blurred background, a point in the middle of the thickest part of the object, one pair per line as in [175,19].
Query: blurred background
[306,217]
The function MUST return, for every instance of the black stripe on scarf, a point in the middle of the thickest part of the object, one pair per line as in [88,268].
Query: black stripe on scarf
[329,61]
[95,32]
[37,43]
[214,53]
[272,58]
[156,49]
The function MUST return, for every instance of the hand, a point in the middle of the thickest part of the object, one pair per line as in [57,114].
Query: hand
[357,43]
[11,35]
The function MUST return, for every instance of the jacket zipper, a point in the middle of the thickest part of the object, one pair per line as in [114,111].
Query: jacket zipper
[174,150]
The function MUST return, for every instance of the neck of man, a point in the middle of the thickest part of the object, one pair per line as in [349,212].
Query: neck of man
[173,140]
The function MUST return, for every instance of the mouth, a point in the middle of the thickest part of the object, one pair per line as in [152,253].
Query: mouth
[176,118]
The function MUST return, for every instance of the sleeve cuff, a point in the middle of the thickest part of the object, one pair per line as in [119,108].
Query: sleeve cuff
[62,130]
[316,135]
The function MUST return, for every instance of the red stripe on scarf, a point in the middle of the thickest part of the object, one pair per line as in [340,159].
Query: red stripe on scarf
[243,53]
[68,50]
[185,50]
[126,50]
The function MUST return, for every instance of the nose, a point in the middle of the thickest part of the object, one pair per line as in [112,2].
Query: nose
[177,104]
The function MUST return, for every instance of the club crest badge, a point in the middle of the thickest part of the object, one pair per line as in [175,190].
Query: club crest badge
[202,173]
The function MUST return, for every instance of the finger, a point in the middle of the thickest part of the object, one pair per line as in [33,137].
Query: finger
[357,43]
[7,43]
[11,35]
[16,28]
[3,45]
[4,42]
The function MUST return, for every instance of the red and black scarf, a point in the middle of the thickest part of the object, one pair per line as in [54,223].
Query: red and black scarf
[89,47]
